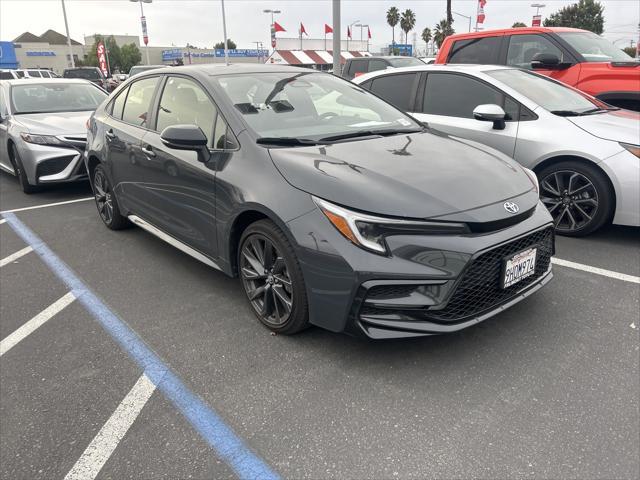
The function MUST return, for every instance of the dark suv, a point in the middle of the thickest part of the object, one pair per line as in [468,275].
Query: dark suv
[361,65]
[333,207]
[93,74]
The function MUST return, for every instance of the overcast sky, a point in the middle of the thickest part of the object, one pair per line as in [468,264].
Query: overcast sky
[199,22]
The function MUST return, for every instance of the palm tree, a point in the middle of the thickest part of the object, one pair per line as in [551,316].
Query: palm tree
[407,22]
[393,17]
[426,35]
[442,30]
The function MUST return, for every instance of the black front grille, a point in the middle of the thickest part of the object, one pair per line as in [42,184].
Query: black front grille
[479,289]
[53,165]
[380,291]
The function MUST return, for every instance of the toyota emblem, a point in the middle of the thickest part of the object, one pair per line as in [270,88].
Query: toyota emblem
[511,207]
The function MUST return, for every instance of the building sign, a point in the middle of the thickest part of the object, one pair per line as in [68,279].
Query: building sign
[405,49]
[101,53]
[537,21]
[173,54]
[8,55]
[177,53]
[243,53]
[40,54]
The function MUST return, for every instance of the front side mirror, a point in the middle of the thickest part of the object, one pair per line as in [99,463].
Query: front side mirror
[490,113]
[547,61]
[186,137]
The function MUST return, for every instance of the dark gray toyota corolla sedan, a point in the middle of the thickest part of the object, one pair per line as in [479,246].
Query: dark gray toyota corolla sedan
[333,207]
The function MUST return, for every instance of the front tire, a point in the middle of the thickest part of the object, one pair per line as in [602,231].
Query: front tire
[106,201]
[578,196]
[272,278]
[21,174]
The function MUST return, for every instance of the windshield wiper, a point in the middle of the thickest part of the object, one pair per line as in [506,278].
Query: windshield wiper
[286,141]
[599,110]
[573,113]
[566,113]
[370,133]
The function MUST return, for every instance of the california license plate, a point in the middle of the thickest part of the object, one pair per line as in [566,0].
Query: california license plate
[518,267]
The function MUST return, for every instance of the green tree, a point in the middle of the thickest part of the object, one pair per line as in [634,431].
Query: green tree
[407,22]
[631,51]
[426,35]
[231,45]
[518,25]
[441,31]
[130,56]
[586,14]
[114,55]
[393,17]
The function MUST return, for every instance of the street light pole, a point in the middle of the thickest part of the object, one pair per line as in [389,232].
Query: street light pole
[66,26]
[272,12]
[143,23]
[464,16]
[350,25]
[224,32]
[337,66]
[538,6]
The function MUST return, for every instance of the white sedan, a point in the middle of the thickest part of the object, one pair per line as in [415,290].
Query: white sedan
[585,152]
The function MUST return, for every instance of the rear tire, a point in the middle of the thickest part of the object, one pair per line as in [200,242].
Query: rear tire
[21,174]
[578,196]
[272,278]
[106,201]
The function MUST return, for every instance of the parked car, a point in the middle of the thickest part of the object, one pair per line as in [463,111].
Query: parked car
[43,129]
[135,70]
[364,223]
[10,74]
[576,57]
[38,73]
[355,67]
[93,74]
[584,151]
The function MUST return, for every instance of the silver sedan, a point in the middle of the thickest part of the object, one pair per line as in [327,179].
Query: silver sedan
[43,129]
[585,153]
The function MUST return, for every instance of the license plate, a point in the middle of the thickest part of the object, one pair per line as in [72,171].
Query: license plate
[518,267]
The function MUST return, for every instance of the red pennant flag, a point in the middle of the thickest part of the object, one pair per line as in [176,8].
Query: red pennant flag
[369,33]
[327,29]
[277,27]
[302,30]
[348,32]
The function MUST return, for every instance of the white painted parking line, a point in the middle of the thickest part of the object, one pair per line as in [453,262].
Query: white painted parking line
[14,256]
[598,271]
[32,325]
[107,439]
[35,207]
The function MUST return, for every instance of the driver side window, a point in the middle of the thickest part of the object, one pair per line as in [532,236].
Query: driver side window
[522,49]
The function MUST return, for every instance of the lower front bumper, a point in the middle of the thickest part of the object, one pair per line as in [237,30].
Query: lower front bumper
[44,164]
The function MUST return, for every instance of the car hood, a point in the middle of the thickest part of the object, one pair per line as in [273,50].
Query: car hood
[63,123]
[618,125]
[421,175]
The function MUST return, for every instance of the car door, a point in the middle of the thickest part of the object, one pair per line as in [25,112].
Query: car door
[178,193]
[398,89]
[5,164]
[523,47]
[125,126]
[447,104]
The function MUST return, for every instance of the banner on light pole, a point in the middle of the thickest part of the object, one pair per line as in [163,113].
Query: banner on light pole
[101,53]
[145,35]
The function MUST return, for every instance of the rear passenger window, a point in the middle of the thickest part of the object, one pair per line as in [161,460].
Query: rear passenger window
[396,89]
[357,66]
[6,76]
[483,50]
[118,105]
[34,73]
[456,95]
[375,65]
[138,103]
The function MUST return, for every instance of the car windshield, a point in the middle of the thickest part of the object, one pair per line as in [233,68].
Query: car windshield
[87,74]
[406,62]
[594,48]
[55,97]
[310,106]
[547,93]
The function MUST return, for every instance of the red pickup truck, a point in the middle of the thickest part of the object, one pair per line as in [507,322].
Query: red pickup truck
[576,57]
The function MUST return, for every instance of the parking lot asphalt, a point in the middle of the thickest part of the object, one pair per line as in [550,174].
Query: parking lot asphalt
[547,389]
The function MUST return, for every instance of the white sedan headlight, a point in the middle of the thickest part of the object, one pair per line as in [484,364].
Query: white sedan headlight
[41,139]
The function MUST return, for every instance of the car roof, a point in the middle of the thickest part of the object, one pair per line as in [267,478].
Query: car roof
[217,69]
[507,31]
[35,81]
[447,67]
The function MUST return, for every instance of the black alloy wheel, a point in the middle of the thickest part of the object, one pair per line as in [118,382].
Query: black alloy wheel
[577,196]
[106,201]
[272,278]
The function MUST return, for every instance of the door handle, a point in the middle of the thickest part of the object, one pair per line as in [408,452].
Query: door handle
[110,135]
[148,151]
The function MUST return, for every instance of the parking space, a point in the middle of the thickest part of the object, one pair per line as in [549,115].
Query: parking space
[547,389]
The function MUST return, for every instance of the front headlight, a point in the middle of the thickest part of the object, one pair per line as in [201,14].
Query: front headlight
[533,177]
[634,149]
[369,232]
[41,139]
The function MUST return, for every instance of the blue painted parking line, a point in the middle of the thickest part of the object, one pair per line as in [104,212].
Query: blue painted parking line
[211,427]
